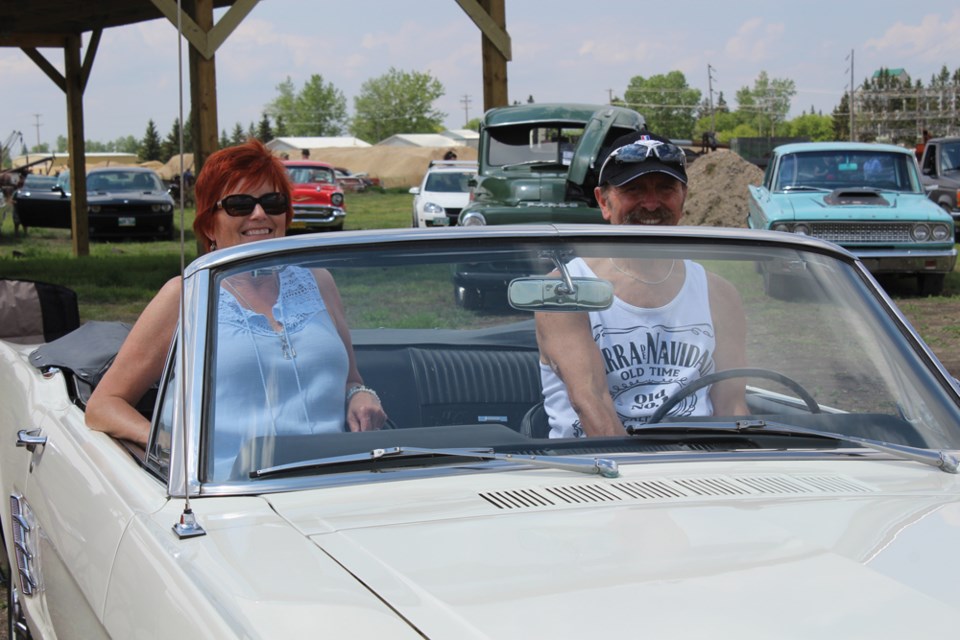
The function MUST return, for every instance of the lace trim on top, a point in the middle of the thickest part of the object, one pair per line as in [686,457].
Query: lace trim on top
[299,300]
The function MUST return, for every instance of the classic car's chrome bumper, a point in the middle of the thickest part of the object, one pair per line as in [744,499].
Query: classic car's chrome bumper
[316,217]
[907,261]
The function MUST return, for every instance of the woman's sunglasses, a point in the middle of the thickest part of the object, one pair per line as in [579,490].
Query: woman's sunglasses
[241,204]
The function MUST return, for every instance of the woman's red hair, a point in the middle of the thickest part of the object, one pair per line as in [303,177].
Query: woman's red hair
[228,170]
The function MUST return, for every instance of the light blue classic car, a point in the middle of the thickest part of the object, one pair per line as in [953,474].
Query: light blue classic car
[865,197]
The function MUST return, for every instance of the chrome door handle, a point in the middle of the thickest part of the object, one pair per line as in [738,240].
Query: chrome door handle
[30,439]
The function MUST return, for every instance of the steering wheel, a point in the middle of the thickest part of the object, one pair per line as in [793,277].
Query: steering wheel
[726,374]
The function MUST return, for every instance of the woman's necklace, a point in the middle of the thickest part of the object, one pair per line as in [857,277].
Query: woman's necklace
[673,263]
[286,348]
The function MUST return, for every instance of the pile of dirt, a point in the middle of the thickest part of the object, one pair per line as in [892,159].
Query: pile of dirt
[717,194]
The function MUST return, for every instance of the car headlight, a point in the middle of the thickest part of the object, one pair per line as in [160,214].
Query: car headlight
[781,226]
[157,208]
[94,208]
[802,229]
[432,207]
[941,232]
[336,199]
[472,219]
[920,232]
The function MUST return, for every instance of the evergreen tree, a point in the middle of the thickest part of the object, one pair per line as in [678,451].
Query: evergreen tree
[264,131]
[238,136]
[150,145]
[280,128]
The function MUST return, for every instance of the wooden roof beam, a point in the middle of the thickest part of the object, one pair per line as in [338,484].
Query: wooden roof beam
[206,42]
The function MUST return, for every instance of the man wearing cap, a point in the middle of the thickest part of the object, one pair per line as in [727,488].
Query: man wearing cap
[642,180]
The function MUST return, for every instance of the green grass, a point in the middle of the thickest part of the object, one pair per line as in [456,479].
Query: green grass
[118,279]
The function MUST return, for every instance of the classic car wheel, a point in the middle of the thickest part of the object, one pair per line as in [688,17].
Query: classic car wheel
[713,378]
[930,284]
[16,623]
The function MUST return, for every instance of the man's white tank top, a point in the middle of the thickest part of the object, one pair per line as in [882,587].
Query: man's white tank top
[649,354]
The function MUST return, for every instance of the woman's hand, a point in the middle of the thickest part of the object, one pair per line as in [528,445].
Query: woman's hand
[364,412]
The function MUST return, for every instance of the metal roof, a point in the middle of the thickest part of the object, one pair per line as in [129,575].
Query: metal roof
[61,17]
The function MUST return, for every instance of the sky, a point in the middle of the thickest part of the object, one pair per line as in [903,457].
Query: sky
[583,51]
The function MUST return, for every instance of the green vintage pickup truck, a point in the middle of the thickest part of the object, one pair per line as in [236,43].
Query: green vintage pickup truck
[536,162]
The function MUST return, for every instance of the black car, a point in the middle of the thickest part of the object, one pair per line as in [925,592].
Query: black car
[122,202]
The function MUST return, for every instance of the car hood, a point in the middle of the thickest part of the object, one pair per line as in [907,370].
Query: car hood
[119,197]
[446,199]
[849,549]
[890,206]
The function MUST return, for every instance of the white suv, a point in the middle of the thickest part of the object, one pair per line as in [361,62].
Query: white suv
[445,190]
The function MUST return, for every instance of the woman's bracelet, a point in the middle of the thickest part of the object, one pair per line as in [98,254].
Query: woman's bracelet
[361,389]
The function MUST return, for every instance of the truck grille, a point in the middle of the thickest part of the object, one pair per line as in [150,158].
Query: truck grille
[862,232]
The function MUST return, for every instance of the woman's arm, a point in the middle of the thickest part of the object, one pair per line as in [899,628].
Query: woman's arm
[138,365]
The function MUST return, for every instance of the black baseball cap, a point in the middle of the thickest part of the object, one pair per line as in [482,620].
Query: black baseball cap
[638,153]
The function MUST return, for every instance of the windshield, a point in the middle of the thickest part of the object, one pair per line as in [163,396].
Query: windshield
[950,156]
[847,169]
[309,175]
[450,348]
[123,181]
[527,144]
[448,182]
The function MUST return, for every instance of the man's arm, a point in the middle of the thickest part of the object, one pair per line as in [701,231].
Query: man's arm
[567,346]
[730,323]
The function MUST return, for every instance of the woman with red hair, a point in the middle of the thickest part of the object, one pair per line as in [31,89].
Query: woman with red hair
[243,195]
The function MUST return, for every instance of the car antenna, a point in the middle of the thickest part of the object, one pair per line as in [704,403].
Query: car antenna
[187,526]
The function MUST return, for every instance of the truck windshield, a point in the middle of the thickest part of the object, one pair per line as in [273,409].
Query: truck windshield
[524,144]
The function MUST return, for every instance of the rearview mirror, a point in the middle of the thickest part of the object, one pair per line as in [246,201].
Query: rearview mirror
[553,294]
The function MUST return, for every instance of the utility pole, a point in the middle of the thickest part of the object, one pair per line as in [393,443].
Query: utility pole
[853,136]
[465,101]
[713,115]
[609,96]
[36,117]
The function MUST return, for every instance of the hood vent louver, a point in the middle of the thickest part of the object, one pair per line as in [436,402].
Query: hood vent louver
[676,489]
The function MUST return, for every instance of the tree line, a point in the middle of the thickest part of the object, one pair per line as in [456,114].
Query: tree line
[888,106]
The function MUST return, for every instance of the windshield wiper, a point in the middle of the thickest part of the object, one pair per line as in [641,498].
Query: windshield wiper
[802,187]
[943,460]
[596,466]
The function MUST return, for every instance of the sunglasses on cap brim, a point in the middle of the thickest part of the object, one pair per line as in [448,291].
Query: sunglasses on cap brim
[242,204]
[641,150]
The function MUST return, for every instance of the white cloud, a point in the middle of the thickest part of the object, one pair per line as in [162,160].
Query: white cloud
[934,39]
[755,40]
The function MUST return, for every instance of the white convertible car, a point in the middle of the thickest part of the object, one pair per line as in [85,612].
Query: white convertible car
[831,510]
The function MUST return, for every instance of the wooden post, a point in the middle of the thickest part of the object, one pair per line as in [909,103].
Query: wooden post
[78,162]
[494,61]
[203,89]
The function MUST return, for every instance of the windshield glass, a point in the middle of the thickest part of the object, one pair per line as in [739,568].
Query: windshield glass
[448,182]
[950,156]
[454,364]
[123,181]
[308,175]
[526,144]
[848,169]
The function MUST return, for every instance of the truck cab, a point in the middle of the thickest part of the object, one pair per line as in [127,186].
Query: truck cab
[940,173]
[537,162]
